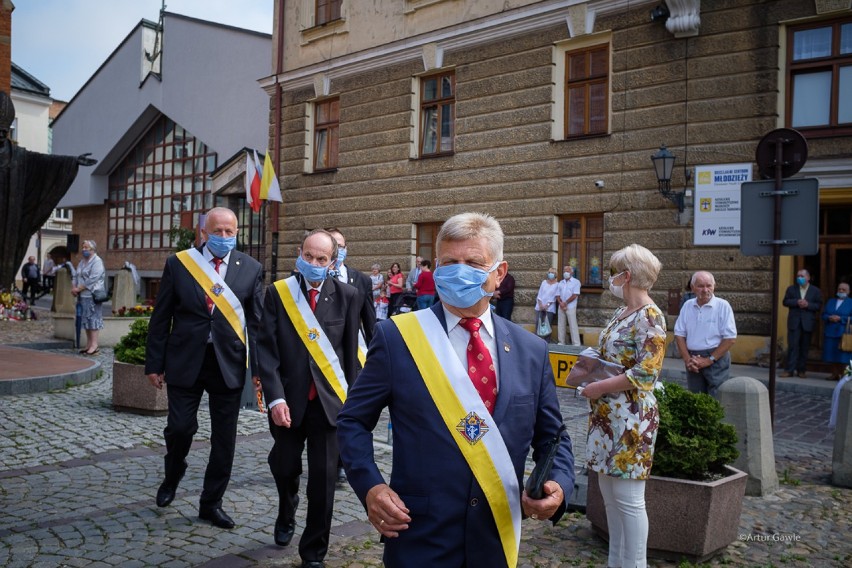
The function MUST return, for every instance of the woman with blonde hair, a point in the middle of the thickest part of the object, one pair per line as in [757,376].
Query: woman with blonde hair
[90,277]
[623,418]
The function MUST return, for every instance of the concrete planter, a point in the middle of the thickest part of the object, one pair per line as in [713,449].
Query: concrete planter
[114,329]
[132,392]
[689,520]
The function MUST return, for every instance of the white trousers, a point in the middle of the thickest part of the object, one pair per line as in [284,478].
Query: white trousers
[627,521]
[571,316]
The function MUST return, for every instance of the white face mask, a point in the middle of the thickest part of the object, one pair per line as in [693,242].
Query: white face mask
[617,291]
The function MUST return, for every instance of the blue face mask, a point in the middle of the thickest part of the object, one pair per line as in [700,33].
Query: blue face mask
[842,295]
[801,280]
[309,271]
[220,246]
[87,253]
[460,285]
[341,256]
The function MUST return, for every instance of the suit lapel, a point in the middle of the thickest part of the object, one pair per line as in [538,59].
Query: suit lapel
[325,300]
[506,365]
[234,265]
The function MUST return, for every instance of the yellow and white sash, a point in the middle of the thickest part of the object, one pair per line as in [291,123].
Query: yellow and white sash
[469,422]
[309,330]
[362,348]
[216,289]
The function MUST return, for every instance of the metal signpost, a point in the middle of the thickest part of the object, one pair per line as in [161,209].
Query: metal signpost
[780,154]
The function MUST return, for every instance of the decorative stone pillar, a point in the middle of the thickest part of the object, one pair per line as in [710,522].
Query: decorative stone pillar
[746,404]
[841,461]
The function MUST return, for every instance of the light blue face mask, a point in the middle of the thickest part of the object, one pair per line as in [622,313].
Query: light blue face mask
[341,256]
[801,280]
[309,271]
[87,253]
[220,246]
[460,285]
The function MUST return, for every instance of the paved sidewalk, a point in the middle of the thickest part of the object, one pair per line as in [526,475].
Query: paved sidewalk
[77,486]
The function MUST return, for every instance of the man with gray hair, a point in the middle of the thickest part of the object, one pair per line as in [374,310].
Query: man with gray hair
[202,338]
[469,394]
[705,331]
[805,303]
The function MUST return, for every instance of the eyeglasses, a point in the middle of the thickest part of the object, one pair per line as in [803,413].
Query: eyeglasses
[613,274]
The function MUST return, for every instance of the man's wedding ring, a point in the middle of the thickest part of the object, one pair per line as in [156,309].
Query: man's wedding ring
[381,521]
[534,516]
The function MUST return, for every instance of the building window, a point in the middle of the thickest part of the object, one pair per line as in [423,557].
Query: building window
[327,11]
[427,234]
[819,89]
[582,246]
[326,134]
[164,182]
[437,113]
[587,91]
[62,214]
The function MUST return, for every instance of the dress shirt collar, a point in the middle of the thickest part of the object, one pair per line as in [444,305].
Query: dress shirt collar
[486,319]
[208,256]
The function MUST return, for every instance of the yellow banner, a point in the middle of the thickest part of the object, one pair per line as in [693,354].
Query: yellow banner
[210,287]
[312,335]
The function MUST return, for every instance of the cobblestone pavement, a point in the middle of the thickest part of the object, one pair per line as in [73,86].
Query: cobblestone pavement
[77,486]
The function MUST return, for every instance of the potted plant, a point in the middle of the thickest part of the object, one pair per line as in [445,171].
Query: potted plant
[131,390]
[693,497]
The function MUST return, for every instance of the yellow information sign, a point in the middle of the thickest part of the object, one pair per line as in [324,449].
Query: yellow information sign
[562,363]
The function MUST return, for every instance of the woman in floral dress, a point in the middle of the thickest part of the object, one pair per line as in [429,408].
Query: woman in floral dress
[624,416]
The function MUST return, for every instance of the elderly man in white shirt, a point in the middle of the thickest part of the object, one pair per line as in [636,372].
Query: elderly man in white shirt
[567,293]
[705,331]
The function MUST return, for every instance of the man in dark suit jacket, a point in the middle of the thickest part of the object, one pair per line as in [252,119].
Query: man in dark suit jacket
[193,347]
[358,279]
[805,302]
[435,511]
[307,359]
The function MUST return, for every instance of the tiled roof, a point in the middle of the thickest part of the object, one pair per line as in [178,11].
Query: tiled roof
[23,81]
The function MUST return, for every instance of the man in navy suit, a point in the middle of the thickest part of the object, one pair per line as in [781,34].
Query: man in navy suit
[455,496]
[208,307]
[308,354]
[805,303]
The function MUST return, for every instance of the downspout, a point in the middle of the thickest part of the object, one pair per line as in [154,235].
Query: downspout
[274,213]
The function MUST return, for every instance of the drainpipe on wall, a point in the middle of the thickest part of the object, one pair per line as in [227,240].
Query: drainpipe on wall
[274,212]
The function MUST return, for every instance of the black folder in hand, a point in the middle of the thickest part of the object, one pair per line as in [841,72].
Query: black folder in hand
[541,472]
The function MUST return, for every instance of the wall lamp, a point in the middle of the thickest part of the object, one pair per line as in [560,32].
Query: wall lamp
[660,13]
[664,166]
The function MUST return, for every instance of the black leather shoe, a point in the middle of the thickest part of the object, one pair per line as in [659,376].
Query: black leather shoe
[167,490]
[165,494]
[313,564]
[341,475]
[284,532]
[217,516]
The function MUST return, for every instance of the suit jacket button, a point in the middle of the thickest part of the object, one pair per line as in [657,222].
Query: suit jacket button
[474,502]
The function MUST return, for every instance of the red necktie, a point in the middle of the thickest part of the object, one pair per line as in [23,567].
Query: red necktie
[480,367]
[217,262]
[312,393]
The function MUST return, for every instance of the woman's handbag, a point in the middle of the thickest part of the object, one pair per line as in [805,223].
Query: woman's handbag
[846,339]
[100,296]
[544,329]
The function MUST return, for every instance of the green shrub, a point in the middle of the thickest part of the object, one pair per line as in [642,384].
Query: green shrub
[692,441]
[182,238]
[131,347]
